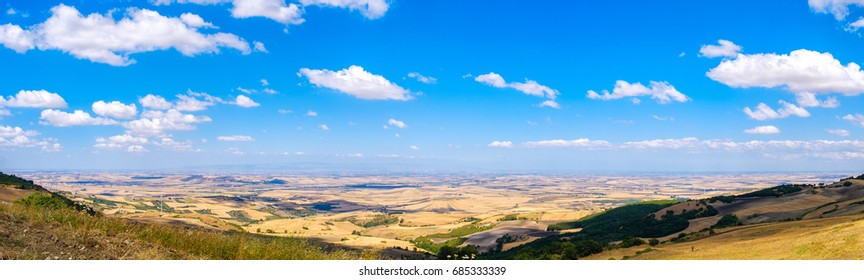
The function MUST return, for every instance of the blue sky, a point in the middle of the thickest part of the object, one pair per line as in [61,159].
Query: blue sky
[432,85]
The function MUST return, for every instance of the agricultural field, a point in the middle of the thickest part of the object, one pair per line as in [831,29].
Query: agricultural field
[411,213]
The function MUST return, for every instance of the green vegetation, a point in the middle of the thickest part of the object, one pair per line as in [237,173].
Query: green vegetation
[241,216]
[426,243]
[204,211]
[777,191]
[727,221]
[377,220]
[48,201]
[454,253]
[18,182]
[462,231]
[512,217]
[572,250]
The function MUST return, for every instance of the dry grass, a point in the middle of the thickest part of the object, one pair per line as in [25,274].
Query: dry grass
[837,238]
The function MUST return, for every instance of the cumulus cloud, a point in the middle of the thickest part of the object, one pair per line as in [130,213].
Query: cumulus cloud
[235,138]
[154,102]
[854,26]
[245,102]
[189,102]
[16,38]
[423,79]
[33,99]
[856,119]
[155,123]
[371,9]
[662,92]
[115,109]
[550,104]
[397,123]
[725,49]
[577,143]
[529,87]
[501,144]
[119,142]
[324,127]
[273,9]
[99,38]
[806,99]
[311,113]
[764,112]
[801,71]
[839,8]
[838,132]
[63,119]
[767,129]
[357,82]
[414,147]
[18,137]
[259,47]
[195,21]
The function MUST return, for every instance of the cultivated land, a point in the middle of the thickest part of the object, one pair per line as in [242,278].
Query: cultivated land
[414,213]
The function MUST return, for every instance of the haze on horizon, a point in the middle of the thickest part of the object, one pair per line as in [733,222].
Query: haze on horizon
[669,86]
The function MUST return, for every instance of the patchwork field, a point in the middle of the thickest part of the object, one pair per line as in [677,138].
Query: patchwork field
[390,211]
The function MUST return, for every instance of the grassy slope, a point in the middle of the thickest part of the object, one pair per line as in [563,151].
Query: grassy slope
[32,232]
[827,238]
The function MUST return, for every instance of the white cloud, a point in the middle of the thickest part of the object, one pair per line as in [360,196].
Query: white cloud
[423,79]
[189,102]
[725,49]
[413,147]
[550,104]
[801,71]
[245,102]
[17,39]
[838,132]
[136,149]
[529,87]
[839,8]
[397,123]
[806,99]
[273,9]
[235,138]
[154,102]
[854,26]
[195,21]
[311,113]
[18,137]
[324,127]
[119,141]
[246,91]
[33,99]
[764,112]
[577,143]
[155,123]
[501,144]
[663,118]
[115,109]
[663,92]
[767,129]
[681,143]
[264,82]
[99,38]
[284,111]
[269,91]
[371,9]
[4,112]
[180,146]
[856,119]
[63,119]
[355,81]
[259,47]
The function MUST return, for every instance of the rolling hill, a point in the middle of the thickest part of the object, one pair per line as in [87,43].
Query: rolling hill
[38,224]
[807,217]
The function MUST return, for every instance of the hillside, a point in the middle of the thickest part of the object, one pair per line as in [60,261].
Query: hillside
[624,230]
[38,224]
